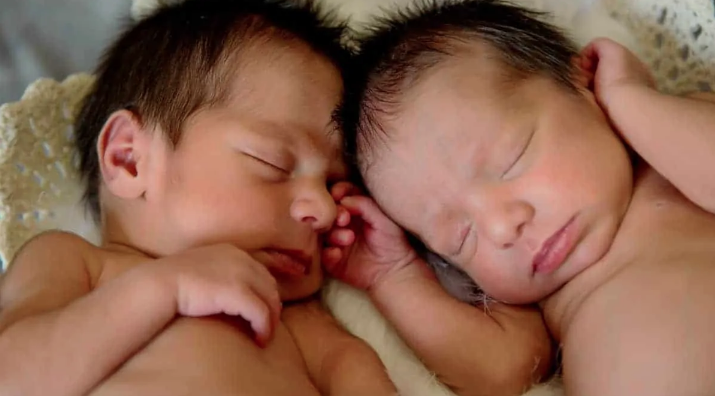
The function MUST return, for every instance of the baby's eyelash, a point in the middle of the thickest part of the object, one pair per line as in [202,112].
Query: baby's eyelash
[264,162]
[462,242]
[520,155]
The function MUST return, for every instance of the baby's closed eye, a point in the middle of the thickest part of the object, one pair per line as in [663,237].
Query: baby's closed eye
[517,154]
[272,167]
[271,163]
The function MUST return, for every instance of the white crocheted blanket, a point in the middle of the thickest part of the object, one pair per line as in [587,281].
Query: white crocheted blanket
[40,190]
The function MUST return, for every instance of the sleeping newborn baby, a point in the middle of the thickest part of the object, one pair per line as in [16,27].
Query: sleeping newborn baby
[208,147]
[549,177]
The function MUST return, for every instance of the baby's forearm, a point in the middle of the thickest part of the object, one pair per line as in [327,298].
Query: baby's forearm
[358,372]
[70,350]
[473,352]
[339,363]
[675,135]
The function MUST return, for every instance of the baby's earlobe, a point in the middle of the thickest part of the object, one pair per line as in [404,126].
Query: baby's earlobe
[583,72]
[119,148]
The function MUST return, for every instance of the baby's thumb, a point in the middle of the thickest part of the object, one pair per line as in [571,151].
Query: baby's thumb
[332,258]
[367,209]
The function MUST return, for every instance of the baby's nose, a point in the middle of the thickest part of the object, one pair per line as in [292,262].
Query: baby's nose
[316,207]
[505,222]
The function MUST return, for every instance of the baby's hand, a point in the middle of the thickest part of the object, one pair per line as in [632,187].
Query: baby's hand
[364,246]
[223,279]
[613,66]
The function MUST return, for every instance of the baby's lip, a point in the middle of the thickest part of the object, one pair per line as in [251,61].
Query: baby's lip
[288,262]
[555,249]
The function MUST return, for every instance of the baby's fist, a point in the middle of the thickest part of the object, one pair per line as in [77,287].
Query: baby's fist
[613,66]
[365,245]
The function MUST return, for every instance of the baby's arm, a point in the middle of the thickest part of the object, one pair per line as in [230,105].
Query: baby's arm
[473,352]
[56,336]
[675,135]
[500,350]
[54,325]
[338,363]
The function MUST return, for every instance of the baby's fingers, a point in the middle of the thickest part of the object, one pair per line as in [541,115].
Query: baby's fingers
[600,47]
[343,189]
[248,305]
[331,259]
[343,217]
[265,286]
[370,213]
[341,237]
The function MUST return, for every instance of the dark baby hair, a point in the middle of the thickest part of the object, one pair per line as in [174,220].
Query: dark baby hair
[184,57]
[403,47]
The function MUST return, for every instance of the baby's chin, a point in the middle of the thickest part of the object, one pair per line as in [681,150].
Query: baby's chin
[522,298]
[522,294]
[300,288]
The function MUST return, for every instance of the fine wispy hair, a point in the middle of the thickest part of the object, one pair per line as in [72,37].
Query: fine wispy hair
[184,57]
[407,43]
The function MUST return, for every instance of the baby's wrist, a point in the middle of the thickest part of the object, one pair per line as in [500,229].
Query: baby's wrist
[163,281]
[621,95]
[415,270]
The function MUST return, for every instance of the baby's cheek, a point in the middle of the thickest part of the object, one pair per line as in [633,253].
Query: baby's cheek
[495,281]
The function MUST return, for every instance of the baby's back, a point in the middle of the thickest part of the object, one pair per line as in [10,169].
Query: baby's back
[212,356]
[646,326]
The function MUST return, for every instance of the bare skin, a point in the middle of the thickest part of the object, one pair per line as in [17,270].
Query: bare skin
[152,358]
[648,302]
[535,196]
[202,243]
[224,359]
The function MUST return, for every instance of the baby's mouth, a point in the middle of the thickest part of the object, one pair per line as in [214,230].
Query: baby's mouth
[286,263]
[555,249]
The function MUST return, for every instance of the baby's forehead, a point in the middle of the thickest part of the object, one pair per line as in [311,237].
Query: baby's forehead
[470,72]
[322,144]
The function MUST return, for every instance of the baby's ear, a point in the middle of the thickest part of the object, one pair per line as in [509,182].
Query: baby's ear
[584,72]
[123,144]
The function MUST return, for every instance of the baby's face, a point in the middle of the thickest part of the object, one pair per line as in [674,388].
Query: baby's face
[522,189]
[255,171]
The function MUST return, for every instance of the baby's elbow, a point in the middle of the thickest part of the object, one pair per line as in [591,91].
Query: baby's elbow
[527,363]
[520,375]
[515,373]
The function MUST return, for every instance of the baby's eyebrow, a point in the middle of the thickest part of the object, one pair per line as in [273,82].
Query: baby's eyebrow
[264,134]
[274,130]
[334,124]
[336,116]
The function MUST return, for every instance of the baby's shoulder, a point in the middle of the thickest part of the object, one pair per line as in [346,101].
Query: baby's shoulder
[45,261]
[57,238]
[59,244]
[661,217]
[58,251]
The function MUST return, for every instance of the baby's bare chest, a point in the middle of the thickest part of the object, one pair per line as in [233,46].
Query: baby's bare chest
[661,295]
[665,248]
[204,356]
[211,356]
[651,323]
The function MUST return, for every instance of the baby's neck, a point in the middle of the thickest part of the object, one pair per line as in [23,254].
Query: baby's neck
[560,308]
[125,234]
